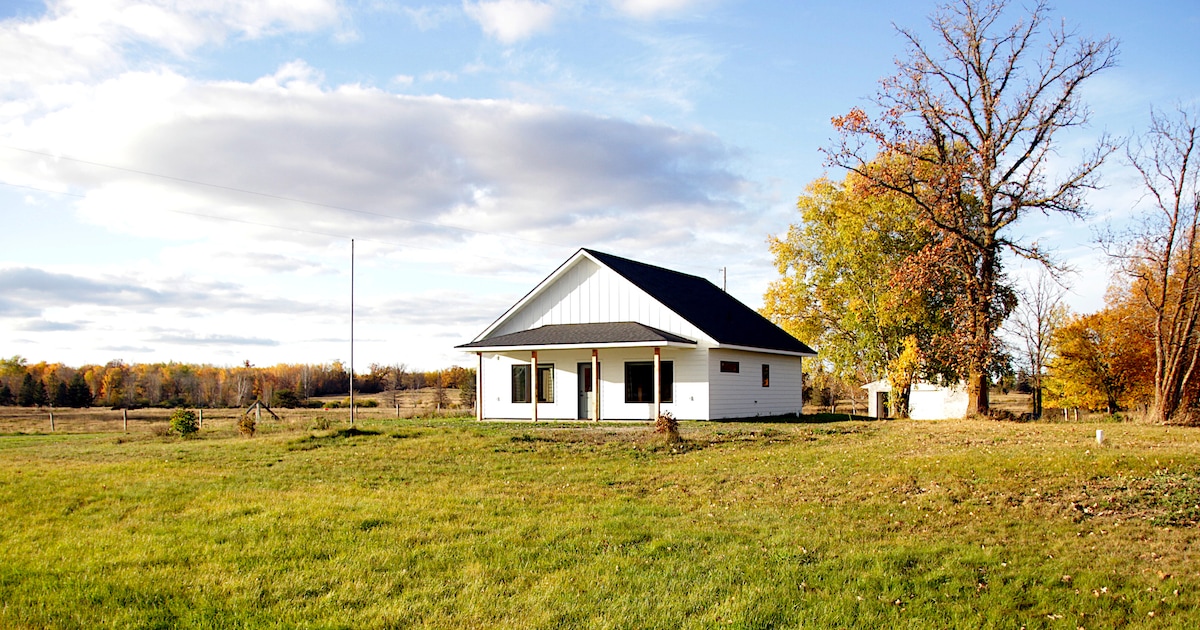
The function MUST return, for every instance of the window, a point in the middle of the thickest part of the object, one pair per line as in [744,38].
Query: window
[639,381]
[521,384]
[766,375]
[546,383]
[732,367]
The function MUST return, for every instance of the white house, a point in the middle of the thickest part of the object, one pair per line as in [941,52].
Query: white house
[609,338]
[926,401]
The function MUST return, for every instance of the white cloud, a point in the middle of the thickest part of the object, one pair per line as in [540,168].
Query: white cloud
[510,21]
[410,165]
[646,9]
[81,39]
[427,18]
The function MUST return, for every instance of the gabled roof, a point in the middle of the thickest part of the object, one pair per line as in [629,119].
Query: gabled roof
[720,315]
[606,334]
[716,313]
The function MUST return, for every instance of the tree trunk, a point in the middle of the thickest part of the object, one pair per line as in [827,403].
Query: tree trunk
[978,403]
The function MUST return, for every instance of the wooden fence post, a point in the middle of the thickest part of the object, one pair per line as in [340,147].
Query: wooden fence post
[201,418]
[52,421]
[125,419]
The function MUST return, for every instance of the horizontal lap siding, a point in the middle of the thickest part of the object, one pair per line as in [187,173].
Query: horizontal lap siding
[742,395]
[691,392]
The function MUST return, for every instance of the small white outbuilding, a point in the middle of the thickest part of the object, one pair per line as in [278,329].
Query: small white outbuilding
[926,401]
[604,337]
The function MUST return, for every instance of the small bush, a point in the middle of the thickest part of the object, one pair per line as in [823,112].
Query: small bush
[668,426]
[184,422]
[285,398]
[1002,415]
[321,423]
[247,425]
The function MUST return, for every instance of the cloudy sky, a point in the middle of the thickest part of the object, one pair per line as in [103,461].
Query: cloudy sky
[180,180]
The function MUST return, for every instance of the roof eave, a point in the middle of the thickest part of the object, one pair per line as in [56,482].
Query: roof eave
[578,346]
[789,353]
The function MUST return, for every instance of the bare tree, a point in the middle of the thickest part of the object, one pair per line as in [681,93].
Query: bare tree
[967,128]
[1160,256]
[1038,315]
[394,383]
[440,398]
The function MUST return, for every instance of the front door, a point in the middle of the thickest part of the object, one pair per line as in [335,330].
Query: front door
[586,395]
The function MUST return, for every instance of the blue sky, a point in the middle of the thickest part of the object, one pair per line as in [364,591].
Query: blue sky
[180,180]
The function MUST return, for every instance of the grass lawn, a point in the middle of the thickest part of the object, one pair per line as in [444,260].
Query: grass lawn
[455,524]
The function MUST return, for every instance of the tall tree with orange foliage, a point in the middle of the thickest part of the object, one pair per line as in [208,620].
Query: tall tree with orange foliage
[1161,255]
[968,125]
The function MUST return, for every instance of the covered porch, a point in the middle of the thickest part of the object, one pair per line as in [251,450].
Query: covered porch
[591,372]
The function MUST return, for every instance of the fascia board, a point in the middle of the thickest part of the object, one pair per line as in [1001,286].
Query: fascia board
[766,351]
[583,346]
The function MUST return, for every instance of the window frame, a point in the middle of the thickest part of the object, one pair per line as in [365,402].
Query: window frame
[766,375]
[522,394]
[666,382]
[731,367]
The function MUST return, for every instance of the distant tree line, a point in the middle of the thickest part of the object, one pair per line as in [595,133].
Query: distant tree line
[122,385]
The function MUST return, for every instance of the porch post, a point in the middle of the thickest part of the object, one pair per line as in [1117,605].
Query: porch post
[478,388]
[533,383]
[595,385]
[657,384]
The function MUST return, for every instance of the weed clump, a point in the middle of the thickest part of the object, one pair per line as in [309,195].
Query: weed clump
[321,423]
[247,426]
[184,422]
[668,426]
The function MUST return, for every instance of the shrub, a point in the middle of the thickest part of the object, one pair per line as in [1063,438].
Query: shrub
[184,422]
[285,398]
[321,423]
[247,425]
[668,426]
[1003,415]
[358,402]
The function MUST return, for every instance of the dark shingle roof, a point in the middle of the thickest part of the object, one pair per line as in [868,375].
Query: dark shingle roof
[580,334]
[718,314]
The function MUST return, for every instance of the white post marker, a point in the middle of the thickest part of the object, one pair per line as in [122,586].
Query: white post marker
[1099,436]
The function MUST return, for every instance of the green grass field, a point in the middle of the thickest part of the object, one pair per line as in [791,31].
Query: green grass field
[455,524]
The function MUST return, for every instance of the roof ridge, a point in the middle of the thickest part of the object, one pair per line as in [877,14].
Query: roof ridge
[642,264]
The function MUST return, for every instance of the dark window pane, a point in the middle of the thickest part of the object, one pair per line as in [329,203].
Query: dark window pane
[766,375]
[520,383]
[546,383]
[733,367]
[639,381]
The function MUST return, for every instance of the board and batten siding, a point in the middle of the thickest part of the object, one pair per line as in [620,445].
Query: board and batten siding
[742,395]
[588,293]
[691,389]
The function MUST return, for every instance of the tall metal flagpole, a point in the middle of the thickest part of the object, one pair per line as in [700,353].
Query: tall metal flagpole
[352,332]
